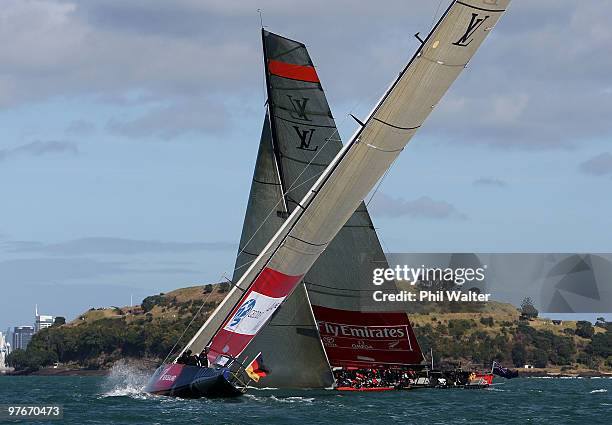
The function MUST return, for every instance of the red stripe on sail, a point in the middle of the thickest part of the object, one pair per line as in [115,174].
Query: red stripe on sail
[357,339]
[270,283]
[274,284]
[292,71]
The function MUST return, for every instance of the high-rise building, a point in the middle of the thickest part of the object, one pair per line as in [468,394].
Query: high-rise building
[22,336]
[42,321]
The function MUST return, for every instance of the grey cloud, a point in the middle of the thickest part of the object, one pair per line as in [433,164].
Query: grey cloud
[423,207]
[168,122]
[600,165]
[39,148]
[541,81]
[107,245]
[46,270]
[81,128]
[35,270]
[489,181]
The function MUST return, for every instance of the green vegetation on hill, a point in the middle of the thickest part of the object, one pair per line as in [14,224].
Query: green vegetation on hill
[482,338]
[99,337]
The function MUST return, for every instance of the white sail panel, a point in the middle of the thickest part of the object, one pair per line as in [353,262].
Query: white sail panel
[253,314]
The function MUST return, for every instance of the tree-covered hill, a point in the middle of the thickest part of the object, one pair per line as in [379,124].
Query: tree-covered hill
[100,337]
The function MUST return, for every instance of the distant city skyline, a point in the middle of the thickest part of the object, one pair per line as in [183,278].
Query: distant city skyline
[130,131]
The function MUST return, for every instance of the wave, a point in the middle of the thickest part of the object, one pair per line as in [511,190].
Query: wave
[261,388]
[601,390]
[280,399]
[293,399]
[126,379]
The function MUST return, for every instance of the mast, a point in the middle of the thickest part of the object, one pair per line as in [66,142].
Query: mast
[273,136]
[351,175]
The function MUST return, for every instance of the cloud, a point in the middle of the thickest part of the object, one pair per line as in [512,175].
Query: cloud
[45,270]
[489,181]
[39,148]
[168,122]
[424,207]
[600,165]
[532,86]
[107,245]
[81,128]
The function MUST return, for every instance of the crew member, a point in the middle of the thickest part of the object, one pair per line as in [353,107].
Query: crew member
[184,358]
[203,357]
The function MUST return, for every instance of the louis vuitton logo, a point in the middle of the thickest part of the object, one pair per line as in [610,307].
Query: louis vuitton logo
[299,108]
[474,24]
[305,138]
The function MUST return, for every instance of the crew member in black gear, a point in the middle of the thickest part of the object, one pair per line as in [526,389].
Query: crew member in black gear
[203,357]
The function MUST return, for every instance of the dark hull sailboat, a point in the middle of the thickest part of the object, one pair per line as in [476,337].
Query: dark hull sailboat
[306,209]
[189,381]
[185,381]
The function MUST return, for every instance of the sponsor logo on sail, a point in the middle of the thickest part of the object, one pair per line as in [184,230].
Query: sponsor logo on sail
[474,24]
[361,345]
[242,312]
[328,341]
[299,108]
[305,138]
[370,332]
[393,344]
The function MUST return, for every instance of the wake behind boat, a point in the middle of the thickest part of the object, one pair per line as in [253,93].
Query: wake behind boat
[308,244]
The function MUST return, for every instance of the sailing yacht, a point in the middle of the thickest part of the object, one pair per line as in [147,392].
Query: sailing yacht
[301,294]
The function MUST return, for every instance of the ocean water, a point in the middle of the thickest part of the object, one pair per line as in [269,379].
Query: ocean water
[119,399]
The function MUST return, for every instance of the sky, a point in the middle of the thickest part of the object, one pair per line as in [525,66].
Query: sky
[129,132]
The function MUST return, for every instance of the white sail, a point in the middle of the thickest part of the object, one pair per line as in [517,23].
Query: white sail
[348,179]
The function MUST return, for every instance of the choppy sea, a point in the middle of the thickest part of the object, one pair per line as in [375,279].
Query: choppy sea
[119,399]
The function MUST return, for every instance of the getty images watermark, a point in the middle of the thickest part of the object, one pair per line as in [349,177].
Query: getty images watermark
[430,284]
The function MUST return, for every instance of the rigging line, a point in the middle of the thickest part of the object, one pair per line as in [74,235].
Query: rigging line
[433,21]
[188,326]
[381,182]
[384,245]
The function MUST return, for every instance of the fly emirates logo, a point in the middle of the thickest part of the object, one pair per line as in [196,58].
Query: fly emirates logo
[351,331]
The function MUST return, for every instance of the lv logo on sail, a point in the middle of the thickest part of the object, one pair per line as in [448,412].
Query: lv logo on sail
[305,138]
[299,108]
[474,24]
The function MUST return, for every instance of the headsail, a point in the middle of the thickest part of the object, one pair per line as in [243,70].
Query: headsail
[352,174]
